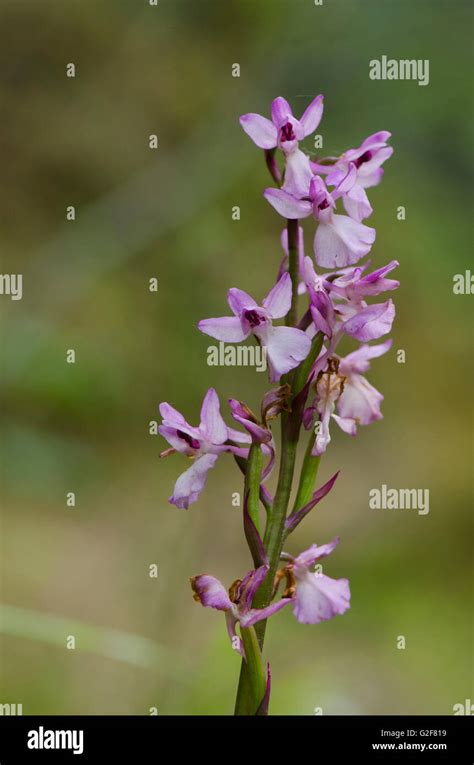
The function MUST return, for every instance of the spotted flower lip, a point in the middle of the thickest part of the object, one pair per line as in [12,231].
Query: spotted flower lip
[339,240]
[204,444]
[286,347]
[236,602]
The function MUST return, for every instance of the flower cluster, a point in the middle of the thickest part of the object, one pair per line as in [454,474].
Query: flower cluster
[315,383]
[314,596]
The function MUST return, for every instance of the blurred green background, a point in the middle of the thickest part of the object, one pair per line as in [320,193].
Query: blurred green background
[83,571]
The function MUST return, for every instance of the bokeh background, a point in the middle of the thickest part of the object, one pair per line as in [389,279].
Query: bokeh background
[83,571]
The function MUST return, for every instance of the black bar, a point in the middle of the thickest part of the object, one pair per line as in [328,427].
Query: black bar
[346,739]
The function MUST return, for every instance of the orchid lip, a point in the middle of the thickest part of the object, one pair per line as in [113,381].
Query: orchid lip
[287,133]
[254,318]
[366,157]
[192,442]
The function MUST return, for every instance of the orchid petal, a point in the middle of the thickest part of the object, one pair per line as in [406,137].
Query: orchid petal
[358,360]
[252,581]
[342,242]
[239,300]
[225,328]
[278,300]
[191,483]
[286,348]
[356,203]
[372,322]
[312,115]
[360,400]
[261,131]
[258,614]
[298,174]
[212,423]
[286,205]
[171,415]
[318,598]
[210,592]
[281,110]
[347,424]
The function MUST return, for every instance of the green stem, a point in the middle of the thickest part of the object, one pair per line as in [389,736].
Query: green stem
[275,528]
[252,680]
[252,482]
[242,464]
[309,472]
[292,228]
[302,373]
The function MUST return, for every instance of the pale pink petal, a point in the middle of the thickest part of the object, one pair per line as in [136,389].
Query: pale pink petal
[212,424]
[171,415]
[185,439]
[287,205]
[251,583]
[191,483]
[257,614]
[372,322]
[261,131]
[318,598]
[376,140]
[346,424]
[298,174]
[358,360]
[312,115]
[238,436]
[239,300]
[369,179]
[346,183]
[235,640]
[210,592]
[314,553]
[281,110]
[360,400]
[356,203]
[226,328]
[286,349]
[342,242]
[278,300]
